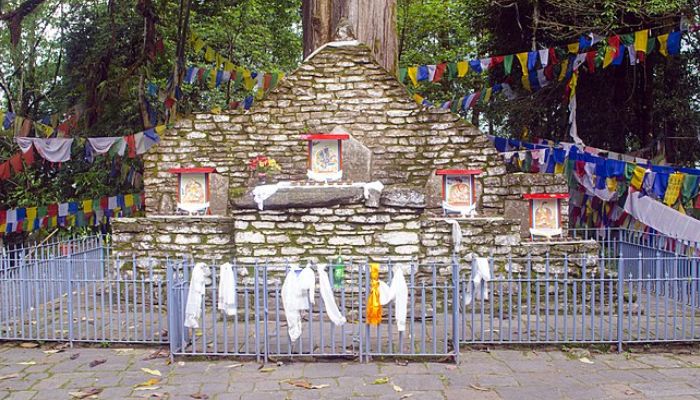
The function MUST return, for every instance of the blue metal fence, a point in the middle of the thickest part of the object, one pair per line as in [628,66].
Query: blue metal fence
[641,288]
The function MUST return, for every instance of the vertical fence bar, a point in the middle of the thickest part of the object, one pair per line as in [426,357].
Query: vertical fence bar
[620,301]
[455,307]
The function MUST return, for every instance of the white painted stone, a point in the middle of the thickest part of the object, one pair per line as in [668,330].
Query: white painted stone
[276,239]
[399,238]
[347,241]
[407,250]
[249,237]
[187,239]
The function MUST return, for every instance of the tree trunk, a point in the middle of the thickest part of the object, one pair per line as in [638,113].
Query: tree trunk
[373,22]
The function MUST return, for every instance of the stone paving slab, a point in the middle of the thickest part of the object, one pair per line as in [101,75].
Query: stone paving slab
[492,375]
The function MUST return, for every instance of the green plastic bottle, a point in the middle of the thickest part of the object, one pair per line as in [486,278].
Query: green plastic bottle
[338,272]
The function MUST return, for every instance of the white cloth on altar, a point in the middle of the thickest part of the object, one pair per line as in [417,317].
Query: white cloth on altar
[662,218]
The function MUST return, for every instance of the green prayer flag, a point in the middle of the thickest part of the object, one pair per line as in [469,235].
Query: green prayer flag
[627,39]
[41,212]
[402,74]
[508,63]
[454,106]
[629,171]
[275,78]
[452,70]
[527,162]
[690,188]
[651,45]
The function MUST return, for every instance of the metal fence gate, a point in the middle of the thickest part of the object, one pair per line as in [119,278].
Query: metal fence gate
[641,288]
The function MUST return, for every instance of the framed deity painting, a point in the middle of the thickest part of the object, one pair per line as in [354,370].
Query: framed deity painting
[458,190]
[193,189]
[325,156]
[545,213]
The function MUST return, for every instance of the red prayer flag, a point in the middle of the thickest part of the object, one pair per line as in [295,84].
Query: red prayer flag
[4,171]
[169,102]
[267,80]
[29,157]
[104,202]
[16,162]
[439,71]
[52,210]
[590,58]
[495,61]
[3,216]
[553,56]
[131,144]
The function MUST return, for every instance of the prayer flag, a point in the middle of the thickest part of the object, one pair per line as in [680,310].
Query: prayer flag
[573,47]
[475,65]
[402,74]
[640,40]
[413,75]
[508,63]
[422,73]
[674,43]
[675,182]
[462,68]
[663,41]
[439,71]
[522,57]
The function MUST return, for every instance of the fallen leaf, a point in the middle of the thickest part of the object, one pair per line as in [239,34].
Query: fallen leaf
[268,369]
[95,363]
[200,396]
[380,381]
[233,366]
[28,345]
[11,376]
[397,388]
[585,360]
[303,383]
[149,371]
[74,356]
[150,382]
[27,363]
[479,388]
[85,393]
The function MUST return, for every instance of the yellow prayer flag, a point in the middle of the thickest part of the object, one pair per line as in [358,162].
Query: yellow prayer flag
[413,74]
[675,182]
[198,45]
[129,200]
[228,66]
[522,57]
[2,118]
[559,168]
[637,177]
[564,67]
[209,54]
[418,99]
[3,228]
[681,209]
[526,82]
[160,129]
[248,82]
[572,85]
[216,110]
[31,212]
[573,47]
[212,79]
[663,44]
[608,57]
[87,206]
[487,96]
[641,39]
[260,94]
[462,68]
[611,183]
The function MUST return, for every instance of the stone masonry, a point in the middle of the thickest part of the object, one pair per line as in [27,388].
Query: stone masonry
[340,87]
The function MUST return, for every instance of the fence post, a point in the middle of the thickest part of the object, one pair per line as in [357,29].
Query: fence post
[69,279]
[620,301]
[455,306]
[170,311]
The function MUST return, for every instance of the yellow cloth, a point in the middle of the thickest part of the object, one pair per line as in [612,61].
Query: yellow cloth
[663,44]
[209,54]
[573,47]
[198,45]
[31,213]
[3,228]
[374,307]
[487,96]
[522,57]
[559,168]
[611,183]
[413,74]
[572,85]
[675,182]
[248,81]
[212,79]
[462,68]
[608,56]
[564,67]
[219,60]
[637,177]
[641,39]
[160,129]
[87,206]
[418,99]
[526,82]
[228,66]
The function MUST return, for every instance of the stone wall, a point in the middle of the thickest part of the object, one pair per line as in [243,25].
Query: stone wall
[518,184]
[339,86]
[204,238]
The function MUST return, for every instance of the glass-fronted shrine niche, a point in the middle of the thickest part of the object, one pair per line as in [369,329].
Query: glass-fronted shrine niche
[458,191]
[193,193]
[545,214]
[325,156]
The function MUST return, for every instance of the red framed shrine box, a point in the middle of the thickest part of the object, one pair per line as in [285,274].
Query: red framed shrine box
[459,191]
[193,189]
[325,156]
[545,213]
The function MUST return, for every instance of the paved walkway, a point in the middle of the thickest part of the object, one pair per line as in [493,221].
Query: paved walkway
[42,373]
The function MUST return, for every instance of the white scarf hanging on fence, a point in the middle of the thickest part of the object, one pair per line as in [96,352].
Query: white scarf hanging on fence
[481,275]
[398,292]
[227,290]
[297,295]
[456,235]
[327,295]
[198,282]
